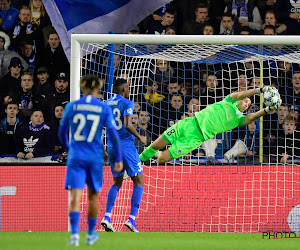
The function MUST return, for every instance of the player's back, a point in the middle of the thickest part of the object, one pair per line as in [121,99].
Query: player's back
[86,118]
[121,107]
[219,117]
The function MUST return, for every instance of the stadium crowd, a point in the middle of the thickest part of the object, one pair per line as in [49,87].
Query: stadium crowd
[35,76]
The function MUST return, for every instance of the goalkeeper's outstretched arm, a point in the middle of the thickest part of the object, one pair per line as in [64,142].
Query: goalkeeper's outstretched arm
[253,116]
[247,93]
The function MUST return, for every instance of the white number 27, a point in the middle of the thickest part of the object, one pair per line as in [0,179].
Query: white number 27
[82,121]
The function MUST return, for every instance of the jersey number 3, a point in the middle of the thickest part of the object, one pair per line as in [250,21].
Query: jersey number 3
[82,121]
[117,114]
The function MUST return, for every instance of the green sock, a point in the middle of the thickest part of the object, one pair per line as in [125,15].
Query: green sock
[148,153]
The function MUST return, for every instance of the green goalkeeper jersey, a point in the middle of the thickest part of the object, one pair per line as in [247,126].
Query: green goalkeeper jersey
[219,117]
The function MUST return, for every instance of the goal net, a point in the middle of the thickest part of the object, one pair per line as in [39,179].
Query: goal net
[244,180]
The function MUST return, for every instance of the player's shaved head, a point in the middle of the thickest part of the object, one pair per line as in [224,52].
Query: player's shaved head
[119,85]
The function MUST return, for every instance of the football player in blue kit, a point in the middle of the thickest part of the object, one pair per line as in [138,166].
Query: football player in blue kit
[85,119]
[122,109]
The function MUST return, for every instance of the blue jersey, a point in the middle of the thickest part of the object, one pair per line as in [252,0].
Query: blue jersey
[85,118]
[120,107]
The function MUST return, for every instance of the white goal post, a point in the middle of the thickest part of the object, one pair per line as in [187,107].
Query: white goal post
[220,197]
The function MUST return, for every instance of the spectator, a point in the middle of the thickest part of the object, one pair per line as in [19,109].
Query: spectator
[288,14]
[284,76]
[11,82]
[186,89]
[53,57]
[35,139]
[227,24]
[216,10]
[151,95]
[19,3]
[252,68]
[163,73]
[170,30]
[251,140]
[208,29]
[244,31]
[196,90]
[294,112]
[116,66]
[155,16]
[135,122]
[159,27]
[283,111]
[58,112]
[137,106]
[8,128]
[173,87]
[193,107]
[211,93]
[59,96]
[195,27]
[8,15]
[43,86]
[270,30]
[6,55]
[245,14]
[142,127]
[255,83]
[28,54]
[273,133]
[293,94]
[271,19]
[242,81]
[176,109]
[40,18]
[10,97]
[288,149]
[265,5]
[24,29]
[27,99]
[134,30]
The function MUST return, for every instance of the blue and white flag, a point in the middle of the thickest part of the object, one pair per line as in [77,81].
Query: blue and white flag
[96,16]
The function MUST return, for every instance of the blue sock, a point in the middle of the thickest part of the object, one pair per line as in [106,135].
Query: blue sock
[136,199]
[74,219]
[92,223]
[111,198]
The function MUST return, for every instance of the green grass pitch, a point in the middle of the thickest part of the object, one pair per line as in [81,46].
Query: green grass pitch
[127,240]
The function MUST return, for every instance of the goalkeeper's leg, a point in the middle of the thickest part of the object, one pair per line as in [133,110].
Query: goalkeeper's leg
[152,149]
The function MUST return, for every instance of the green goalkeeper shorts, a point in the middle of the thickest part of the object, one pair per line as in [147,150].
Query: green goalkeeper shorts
[184,136]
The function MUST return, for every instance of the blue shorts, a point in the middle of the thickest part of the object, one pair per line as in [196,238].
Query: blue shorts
[131,162]
[80,173]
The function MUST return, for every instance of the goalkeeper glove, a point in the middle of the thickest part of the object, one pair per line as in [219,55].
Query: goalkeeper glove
[272,108]
[263,90]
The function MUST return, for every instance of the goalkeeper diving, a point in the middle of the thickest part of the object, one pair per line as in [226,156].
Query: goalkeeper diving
[189,133]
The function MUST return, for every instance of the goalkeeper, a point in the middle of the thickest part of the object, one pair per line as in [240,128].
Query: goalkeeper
[188,134]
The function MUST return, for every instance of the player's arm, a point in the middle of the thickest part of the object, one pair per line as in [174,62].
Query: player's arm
[253,116]
[236,96]
[129,126]
[111,130]
[105,155]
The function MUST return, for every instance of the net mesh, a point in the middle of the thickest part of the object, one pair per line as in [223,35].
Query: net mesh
[205,191]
